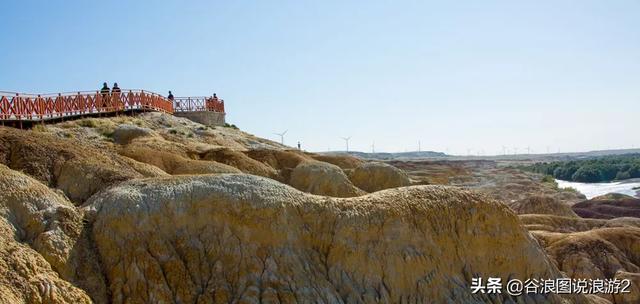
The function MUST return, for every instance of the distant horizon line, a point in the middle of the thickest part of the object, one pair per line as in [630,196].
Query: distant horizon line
[476,155]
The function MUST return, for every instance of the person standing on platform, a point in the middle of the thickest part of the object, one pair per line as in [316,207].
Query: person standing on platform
[171,98]
[115,96]
[104,92]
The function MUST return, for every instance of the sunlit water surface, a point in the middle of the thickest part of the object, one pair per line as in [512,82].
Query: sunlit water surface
[591,190]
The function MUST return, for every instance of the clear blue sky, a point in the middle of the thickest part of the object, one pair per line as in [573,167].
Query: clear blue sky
[456,76]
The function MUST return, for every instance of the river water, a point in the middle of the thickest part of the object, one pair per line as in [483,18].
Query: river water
[591,190]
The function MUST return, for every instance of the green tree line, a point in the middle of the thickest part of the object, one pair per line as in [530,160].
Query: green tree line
[600,169]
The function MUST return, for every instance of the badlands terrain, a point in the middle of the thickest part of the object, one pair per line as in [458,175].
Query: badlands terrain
[159,209]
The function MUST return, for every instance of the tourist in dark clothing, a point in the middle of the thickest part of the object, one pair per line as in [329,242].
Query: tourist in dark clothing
[115,95]
[116,89]
[170,97]
[105,94]
[105,89]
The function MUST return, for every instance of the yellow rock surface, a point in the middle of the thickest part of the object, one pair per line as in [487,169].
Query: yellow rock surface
[322,179]
[375,176]
[592,248]
[38,232]
[76,167]
[538,204]
[172,163]
[240,161]
[242,238]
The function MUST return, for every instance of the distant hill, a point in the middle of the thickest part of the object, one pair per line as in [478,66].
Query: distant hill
[389,156]
[527,158]
[609,152]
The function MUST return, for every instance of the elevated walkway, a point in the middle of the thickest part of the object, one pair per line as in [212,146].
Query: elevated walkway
[23,110]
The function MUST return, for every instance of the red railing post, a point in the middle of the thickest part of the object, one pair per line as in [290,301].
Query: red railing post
[17,109]
[79,104]
[38,106]
[59,105]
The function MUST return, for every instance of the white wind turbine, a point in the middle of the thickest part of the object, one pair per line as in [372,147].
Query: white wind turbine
[346,140]
[281,136]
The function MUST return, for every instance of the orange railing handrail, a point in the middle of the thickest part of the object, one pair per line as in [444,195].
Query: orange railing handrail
[198,103]
[21,106]
[4,93]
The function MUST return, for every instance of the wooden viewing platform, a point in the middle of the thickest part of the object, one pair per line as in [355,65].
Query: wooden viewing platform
[18,110]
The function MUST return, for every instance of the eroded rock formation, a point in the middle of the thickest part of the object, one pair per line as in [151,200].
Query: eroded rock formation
[241,161]
[542,205]
[323,179]
[38,233]
[145,236]
[77,168]
[375,176]
[244,238]
[174,164]
[591,248]
[346,162]
[609,206]
[125,133]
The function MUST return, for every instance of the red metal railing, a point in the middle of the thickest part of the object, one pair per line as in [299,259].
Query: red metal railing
[16,106]
[200,103]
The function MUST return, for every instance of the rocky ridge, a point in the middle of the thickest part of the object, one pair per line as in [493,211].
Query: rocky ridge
[158,209]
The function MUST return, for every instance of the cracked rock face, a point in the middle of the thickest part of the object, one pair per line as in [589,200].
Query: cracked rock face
[591,248]
[75,167]
[38,232]
[242,238]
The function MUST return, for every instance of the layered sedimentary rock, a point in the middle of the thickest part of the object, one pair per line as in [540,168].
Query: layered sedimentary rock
[375,176]
[633,296]
[173,163]
[596,253]
[76,167]
[227,238]
[542,205]
[563,224]
[591,248]
[346,162]
[284,161]
[38,234]
[125,133]
[147,236]
[609,206]
[323,179]
[146,170]
[240,161]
